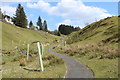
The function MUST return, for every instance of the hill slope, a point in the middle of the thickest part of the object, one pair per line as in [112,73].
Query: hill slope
[14,62]
[96,46]
[15,35]
[105,30]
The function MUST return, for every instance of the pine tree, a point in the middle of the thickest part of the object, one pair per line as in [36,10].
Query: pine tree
[1,14]
[20,18]
[39,23]
[30,24]
[45,25]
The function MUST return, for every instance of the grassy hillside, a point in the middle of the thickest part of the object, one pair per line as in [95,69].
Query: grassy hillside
[96,45]
[14,47]
[21,36]
[105,30]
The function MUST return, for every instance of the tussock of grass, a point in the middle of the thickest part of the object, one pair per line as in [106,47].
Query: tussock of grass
[52,60]
[101,58]
[92,50]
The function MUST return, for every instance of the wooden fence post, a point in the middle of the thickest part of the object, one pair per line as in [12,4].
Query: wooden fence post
[40,56]
[28,51]
[42,48]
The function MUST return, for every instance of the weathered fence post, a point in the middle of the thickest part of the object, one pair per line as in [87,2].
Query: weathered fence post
[40,56]
[42,48]
[28,51]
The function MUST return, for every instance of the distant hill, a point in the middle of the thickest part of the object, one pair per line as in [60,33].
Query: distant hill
[105,30]
[19,36]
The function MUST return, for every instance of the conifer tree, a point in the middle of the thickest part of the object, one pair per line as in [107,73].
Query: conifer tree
[39,23]
[30,24]
[45,25]
[20,18]
[1,14]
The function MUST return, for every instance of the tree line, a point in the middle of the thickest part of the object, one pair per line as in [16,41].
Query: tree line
[67,29]
[20,19]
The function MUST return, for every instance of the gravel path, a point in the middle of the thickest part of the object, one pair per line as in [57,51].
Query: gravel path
[75,69]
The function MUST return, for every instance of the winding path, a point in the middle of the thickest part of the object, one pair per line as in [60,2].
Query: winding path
[75,69]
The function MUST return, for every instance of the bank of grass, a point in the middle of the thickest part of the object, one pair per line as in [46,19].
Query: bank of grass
[105,30]
[13,36]
[96,45]
[30,71]
[53,68]
[100,58]
[102,68]
[14,63]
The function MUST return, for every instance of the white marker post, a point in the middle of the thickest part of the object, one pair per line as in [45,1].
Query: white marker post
[42,48]
[28,51]
[40,56]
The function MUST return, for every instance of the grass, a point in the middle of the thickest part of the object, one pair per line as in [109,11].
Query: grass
[96,32]
[53,66]
[21,36]
[102,68]
[16,66]
[98,59]
[19,72]
[14,63]
[96,46]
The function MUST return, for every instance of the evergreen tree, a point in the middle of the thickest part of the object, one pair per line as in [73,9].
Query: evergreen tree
[20,18]
[45,25]
[39,23]
[30,24]
[1,14]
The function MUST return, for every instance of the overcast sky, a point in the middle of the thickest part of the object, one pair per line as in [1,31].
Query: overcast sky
[71,12]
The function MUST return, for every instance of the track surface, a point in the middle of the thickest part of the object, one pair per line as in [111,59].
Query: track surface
[75,69]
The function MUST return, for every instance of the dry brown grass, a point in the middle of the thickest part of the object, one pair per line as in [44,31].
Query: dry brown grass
[93,50]
[23,62]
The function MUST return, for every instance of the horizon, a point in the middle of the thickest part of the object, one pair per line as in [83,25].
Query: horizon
[75,13]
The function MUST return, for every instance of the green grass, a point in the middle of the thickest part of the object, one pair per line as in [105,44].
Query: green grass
[102,68]
[12,58]
[13,70]
[105,67]
[96,46]
[21,36]
[96,32]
